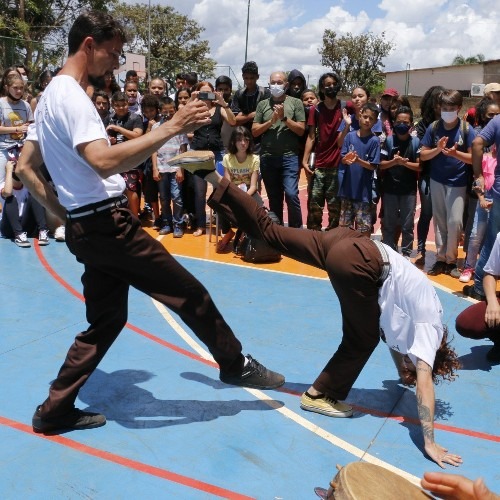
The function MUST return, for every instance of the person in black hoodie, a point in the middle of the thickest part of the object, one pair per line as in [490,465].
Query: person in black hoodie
[296,84]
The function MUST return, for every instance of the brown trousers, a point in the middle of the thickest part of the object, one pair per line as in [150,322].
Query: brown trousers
[470,323]
[118,253]
[353,264]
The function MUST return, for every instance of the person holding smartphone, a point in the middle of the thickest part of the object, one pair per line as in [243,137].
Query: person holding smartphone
[208,138]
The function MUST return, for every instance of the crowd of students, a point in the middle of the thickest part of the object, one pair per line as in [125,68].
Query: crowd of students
[353,154]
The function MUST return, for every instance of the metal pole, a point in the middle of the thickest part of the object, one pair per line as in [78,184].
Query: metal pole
[248,22]
[149,42]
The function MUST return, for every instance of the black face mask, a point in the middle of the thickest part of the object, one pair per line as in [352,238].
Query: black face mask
[12,98]
[331,91]
[295,92]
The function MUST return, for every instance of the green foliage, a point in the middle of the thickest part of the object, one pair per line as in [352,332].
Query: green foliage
[459,59]
[357,58]
[176,46]
[34,32]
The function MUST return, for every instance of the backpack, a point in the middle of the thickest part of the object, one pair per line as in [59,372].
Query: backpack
[255,250]
[238,95]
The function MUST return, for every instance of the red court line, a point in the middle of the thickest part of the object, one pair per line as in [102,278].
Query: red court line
[154,338]
[131,464]
[134,328]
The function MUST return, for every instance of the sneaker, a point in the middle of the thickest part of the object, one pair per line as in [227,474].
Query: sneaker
[76,419]
[325,405]
[438,268]
[470,291]
[420,259]
[60,233]
[165,230]
[466,275]
[452,270]
[493,355]
[21,240]
[254,375]
[43,238]
[158,223]
[178,232]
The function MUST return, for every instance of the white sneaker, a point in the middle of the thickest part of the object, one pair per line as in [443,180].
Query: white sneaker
[60,233]
[22,241]
[43,238]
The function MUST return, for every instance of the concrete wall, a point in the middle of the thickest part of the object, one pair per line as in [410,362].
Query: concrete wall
[452,77]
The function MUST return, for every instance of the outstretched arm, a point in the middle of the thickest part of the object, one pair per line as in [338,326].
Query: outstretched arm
[425,406]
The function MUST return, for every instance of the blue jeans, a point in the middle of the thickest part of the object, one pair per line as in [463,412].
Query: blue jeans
[424,220]
[492,229]
[281,177]
[399,209]
[479,222]
[170,192]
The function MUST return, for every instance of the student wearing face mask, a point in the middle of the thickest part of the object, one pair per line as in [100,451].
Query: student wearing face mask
[322,168]
[280,123]
[400,164]
[447,144]
[296,84]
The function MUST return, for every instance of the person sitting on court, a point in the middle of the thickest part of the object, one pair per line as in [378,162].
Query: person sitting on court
[482,320]
[378,290]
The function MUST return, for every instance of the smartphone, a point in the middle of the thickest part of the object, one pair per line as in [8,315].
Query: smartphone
[206,96]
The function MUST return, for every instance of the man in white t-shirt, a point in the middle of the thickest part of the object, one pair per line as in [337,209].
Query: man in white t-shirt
[377,288]
[103,235]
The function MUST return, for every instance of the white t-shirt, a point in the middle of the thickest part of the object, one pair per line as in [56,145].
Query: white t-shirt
[411,315]
[493,265]
[65,117]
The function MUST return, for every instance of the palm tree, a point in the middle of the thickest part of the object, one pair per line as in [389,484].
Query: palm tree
[460,59]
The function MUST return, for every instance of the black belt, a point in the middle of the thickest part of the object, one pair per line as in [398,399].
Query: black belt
[95,208]
[386,265]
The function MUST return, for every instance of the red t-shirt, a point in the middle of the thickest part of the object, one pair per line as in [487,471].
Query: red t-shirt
[326,149]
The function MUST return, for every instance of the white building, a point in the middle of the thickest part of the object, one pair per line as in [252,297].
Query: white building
[467,78]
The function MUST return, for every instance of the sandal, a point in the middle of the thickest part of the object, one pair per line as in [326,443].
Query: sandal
[224,242]
[199,232]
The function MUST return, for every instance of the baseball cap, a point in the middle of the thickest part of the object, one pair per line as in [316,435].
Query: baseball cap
[492,87]
[392,92]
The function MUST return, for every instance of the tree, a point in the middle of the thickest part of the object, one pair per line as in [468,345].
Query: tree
[34,32]
[460,59]
[176,46]
[356,58]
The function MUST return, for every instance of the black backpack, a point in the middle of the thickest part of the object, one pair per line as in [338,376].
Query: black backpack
[255,250]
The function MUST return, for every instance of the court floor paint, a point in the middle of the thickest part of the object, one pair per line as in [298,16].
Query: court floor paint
[175,431]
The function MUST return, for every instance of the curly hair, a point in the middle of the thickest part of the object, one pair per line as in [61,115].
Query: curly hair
[445,366]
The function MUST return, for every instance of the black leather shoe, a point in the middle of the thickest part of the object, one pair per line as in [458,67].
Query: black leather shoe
[438,268]
[470,291]
[74,420]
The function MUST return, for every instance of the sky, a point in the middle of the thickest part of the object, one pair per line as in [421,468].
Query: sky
[286,34]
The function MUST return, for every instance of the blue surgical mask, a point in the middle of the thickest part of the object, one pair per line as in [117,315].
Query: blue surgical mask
[449,116]
[402,128]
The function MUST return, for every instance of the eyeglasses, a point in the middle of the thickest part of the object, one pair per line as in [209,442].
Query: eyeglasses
[120,56]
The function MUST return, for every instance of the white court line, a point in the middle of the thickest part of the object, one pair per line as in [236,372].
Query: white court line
[298,419]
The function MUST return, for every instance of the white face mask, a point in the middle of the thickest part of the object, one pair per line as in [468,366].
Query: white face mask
[25,78]
[277,90]
[449,116]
